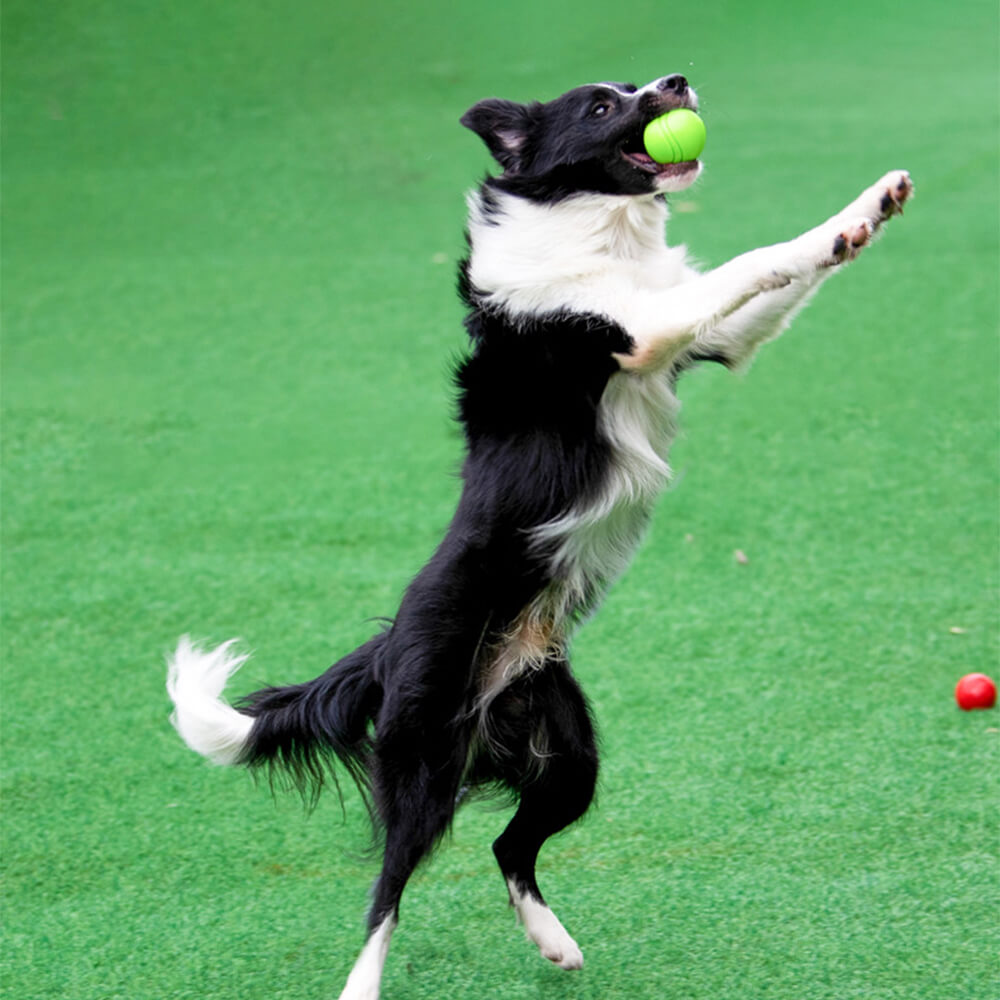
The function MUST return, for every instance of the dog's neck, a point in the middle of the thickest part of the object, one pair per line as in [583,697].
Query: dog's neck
[619,226]
[532,257]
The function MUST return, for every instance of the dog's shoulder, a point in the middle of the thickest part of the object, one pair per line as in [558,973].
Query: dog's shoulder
[530,372]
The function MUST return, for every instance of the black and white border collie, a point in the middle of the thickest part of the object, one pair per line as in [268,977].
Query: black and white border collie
[580,319]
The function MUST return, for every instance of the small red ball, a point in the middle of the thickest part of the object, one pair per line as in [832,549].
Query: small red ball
[975,691]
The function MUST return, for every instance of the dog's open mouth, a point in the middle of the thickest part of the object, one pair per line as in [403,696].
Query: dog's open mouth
[634,152]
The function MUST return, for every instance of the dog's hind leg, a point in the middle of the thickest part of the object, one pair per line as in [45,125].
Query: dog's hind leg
[365,979]
[547,749]
[415,783]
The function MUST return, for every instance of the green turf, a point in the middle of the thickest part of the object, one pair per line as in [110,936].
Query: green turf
[228,318]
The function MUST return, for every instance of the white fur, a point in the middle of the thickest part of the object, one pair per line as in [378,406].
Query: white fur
[650,88]
[606,255]
[533,639]
[603,255]
[195,680]
[544,928]
[589,253]
[365,979]
[599,254]
[595,542]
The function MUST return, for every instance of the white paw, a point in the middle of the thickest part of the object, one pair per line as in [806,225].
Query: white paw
[894,191]
[365,979]
[363,992]
[882,200]
[543,927]
[850,241]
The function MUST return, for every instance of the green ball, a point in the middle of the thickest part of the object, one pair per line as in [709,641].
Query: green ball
[675,137]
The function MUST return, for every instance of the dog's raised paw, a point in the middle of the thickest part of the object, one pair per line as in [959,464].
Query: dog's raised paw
[850,241]
[545,930]
[897,189]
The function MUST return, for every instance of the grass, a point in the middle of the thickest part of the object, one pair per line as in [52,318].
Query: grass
[228,316]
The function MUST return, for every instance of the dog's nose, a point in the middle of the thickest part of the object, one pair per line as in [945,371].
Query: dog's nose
[675,83]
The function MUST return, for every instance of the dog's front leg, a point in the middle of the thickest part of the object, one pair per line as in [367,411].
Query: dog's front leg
[731,310]
[736,339]
[663,325]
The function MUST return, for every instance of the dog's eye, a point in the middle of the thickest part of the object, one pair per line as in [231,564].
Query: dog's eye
[600,110]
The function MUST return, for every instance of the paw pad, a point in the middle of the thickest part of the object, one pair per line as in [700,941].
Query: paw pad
[850,242]
[898,191]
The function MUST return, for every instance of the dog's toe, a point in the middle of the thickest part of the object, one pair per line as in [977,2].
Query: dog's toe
[851,240]
[898,189]
[570,957]
[546,931]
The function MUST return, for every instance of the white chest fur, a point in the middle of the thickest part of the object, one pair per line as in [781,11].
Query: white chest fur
[593,543]
[589,253]
[598,254]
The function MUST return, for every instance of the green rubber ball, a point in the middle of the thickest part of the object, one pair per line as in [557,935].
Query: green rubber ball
[675,137]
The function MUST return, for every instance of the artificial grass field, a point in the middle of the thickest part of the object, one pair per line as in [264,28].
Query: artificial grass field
[228,319]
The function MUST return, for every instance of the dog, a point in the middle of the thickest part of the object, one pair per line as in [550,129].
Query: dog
[581,320]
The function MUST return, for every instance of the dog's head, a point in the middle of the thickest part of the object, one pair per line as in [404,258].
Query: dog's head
[588,140]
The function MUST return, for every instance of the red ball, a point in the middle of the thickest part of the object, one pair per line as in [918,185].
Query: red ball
[975,691]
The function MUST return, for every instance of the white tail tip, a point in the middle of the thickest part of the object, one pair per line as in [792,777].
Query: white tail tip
[195,680]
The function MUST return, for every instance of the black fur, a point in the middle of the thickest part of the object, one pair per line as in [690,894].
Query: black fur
[416,714]
[528,404]
[470,686]
[298,729]
[574,143]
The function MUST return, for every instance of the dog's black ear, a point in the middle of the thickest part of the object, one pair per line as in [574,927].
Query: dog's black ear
[504,126]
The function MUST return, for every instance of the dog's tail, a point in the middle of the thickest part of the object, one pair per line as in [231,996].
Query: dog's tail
[295,731]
